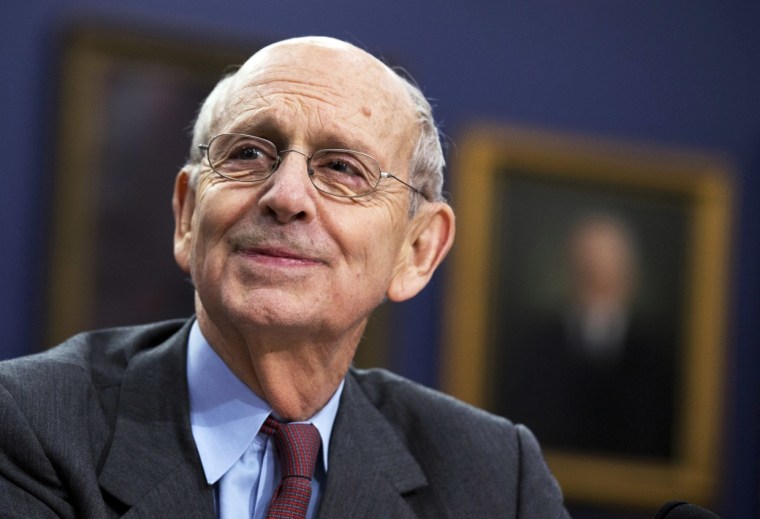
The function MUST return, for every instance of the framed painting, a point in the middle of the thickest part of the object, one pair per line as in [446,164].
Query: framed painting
[587,300]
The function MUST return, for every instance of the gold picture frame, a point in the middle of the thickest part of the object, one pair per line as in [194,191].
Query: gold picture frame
[516,192]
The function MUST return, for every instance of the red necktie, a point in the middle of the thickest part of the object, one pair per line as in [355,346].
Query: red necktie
[298,447]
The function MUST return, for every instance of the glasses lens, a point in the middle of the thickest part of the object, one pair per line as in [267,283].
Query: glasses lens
[242,157]
[344,172]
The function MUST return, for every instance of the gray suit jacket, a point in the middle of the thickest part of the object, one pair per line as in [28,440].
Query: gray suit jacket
[99,427]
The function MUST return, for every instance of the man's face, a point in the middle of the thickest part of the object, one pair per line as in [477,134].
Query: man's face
[279,254]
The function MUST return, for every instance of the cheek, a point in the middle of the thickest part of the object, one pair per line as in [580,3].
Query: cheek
[374,249]
[213,217]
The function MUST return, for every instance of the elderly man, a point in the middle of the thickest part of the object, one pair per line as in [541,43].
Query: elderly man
[312,193]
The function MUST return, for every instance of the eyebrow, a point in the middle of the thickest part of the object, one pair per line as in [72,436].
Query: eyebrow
[330,140]
[266,127]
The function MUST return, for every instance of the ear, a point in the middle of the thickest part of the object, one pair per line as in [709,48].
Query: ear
[430,236]
[183,204]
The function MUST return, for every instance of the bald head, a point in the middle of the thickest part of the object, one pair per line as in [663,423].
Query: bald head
[321,52]
[356,94]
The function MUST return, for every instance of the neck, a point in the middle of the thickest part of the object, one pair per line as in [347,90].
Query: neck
[295,373]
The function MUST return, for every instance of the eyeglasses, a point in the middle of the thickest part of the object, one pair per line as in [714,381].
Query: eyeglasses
[343,173]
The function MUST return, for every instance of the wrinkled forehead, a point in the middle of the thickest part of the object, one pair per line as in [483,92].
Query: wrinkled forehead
[335,76]
[326,63]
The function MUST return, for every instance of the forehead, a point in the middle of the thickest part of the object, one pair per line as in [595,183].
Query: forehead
[329,92]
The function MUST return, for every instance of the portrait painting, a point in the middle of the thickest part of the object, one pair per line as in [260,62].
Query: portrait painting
[588,306]
[586,302]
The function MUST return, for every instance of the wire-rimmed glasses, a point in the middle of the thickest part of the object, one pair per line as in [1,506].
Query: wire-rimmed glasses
[336,172]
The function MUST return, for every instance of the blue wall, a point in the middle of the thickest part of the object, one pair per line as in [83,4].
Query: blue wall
[680,73]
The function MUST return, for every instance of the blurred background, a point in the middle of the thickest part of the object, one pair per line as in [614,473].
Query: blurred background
[97,97]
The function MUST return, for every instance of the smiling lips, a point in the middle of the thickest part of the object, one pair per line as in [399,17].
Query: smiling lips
[279,256]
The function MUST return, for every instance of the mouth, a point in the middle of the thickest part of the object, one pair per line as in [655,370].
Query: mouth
[279,256]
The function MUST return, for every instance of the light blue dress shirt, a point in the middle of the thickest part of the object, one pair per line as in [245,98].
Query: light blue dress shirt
[226,417]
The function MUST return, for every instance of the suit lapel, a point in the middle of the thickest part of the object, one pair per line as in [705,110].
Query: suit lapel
[370,469]
[152,466]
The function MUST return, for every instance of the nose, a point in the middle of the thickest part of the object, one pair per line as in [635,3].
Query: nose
[289,194]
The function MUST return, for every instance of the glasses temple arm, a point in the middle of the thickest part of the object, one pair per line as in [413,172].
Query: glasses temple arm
[384,174]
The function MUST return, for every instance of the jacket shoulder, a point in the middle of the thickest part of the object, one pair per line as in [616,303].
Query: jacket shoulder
[79,377]
[99,356]
[58,410]
[402,398]
[464,450]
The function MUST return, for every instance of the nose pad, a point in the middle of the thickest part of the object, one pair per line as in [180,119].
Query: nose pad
[286,195]
[281,162]
[282,153]
[281,159]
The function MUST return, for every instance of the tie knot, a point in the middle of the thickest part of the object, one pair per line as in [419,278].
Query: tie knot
[297,445]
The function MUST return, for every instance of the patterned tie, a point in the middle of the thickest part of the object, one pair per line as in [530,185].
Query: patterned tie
[297,446]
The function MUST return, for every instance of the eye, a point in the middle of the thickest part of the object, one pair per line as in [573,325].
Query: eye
[342,166]
[343,172]
[245,151]
[241,156]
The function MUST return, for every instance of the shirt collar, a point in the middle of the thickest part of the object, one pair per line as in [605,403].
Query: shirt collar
[225,415]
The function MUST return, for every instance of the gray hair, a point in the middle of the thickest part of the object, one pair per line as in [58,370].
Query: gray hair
[425,166]
[211,111]
[427,162]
